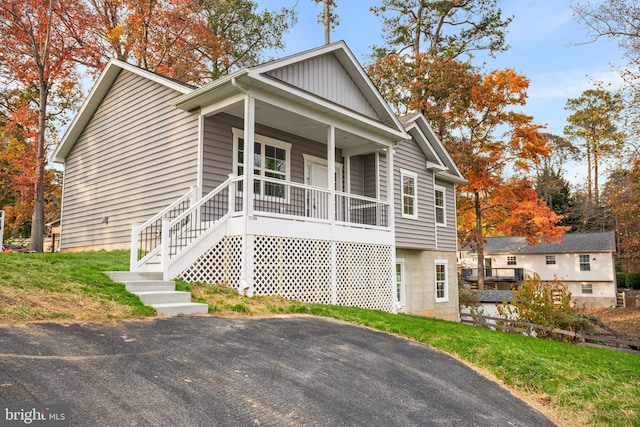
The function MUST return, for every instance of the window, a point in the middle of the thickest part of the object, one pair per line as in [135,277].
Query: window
[409,182]
[441,217]
[270,160]
[584,263]
[442,288]
[511,260]
[587,288]
[400,282]
[550,260]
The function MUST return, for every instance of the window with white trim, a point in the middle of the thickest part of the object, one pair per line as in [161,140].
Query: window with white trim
[409,183]
[400,282]
[550,260]
[512,260]
[271,159]
[440,205]
[585,265]
[442,280]
[587,288]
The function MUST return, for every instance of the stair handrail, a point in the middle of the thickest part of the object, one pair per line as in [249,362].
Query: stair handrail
[137,229]
[169,224]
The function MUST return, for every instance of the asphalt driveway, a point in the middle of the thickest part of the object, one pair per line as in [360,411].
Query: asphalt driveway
[210,371]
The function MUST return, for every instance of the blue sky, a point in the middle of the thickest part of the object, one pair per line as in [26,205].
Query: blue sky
[547,45]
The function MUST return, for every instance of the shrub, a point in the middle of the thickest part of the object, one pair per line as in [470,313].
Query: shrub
[621,279]
[544,303]
[633,280]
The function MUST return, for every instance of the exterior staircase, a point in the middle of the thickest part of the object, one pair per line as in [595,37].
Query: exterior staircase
[159,294]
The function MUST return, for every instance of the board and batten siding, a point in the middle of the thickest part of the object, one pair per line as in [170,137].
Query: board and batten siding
[137,154]
[414,233]
[325,77]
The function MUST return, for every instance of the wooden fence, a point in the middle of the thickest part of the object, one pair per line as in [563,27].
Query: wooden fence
[625,343]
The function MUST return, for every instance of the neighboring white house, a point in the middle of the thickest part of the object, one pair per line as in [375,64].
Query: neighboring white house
[583,261]
[348,205]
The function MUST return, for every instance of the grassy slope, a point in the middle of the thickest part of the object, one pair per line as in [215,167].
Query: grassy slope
[579,385]
[65,286]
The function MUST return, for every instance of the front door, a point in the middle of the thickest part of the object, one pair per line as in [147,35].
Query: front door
[318,176]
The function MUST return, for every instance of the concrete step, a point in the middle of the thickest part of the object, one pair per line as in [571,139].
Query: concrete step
[130,276]
[181,308]
[163,297]
[159,294]
[149,286]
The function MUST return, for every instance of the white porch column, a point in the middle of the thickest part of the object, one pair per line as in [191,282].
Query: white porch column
[246,273]
[249,139]
[390,190]
[331,172]
[200,166]
[331,182]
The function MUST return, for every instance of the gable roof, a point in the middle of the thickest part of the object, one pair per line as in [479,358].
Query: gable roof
[438,158]
[571,243]
[97,94]
[301,77]
[332,58]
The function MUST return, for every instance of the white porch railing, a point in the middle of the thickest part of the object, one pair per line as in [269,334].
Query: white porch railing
[146,238]
[276,197]
[165,236]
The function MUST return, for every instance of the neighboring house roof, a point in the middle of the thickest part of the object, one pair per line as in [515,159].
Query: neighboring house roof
[495,296]
[438,158]
[97,94]
[571,243]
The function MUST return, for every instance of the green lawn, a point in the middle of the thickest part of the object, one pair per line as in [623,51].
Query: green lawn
[579,385]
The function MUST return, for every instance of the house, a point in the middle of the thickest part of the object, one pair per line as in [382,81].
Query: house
[582,261]
[348,204]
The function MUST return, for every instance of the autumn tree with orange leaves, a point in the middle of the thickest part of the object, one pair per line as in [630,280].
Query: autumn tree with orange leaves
[37,59]
[492,142]
[192,41]
[426,66]
[44,41]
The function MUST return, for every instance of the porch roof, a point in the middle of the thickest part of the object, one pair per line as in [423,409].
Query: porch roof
[271,85]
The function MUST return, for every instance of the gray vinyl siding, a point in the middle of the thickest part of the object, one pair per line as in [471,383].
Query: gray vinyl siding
[136,155]
[357,174]
[369,173]
[447,235]
[218,149]
[414,233]
[382,171]
[325,77]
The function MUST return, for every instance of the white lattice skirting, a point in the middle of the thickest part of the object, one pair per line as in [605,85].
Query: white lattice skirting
[219,265]
[301,269]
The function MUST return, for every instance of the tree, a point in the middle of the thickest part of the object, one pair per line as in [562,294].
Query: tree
[550,183]
[450,28]
[425,64]
[488,200]
[37,56]
[594,125]
[619,19]
[622,192]
[328,18]
[193,41]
